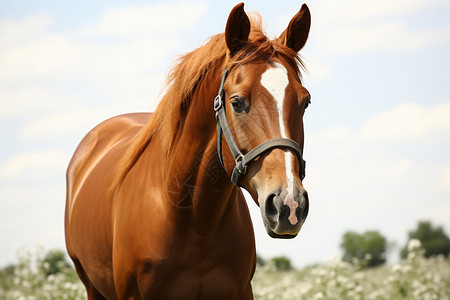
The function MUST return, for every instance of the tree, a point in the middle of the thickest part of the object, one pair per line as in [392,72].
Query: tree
[368,248]
[260,261]
[54,262]
[282,263]
[433,239]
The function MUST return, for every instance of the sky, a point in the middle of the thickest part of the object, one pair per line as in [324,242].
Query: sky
[377,134]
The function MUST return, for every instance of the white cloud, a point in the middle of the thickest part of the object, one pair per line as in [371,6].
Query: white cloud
[360,11]
[62,82]
[33,164]
[49,114]
[139,38]
[355,26]
[37,55]
[445,178]
[410,121]
[58,125]
[46,57]
[117,61]
[15,103]
[382,37]
[335,133]
[316,69]
[14,32]
[364,26]
[142,19]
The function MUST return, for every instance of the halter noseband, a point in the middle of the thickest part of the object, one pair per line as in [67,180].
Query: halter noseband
[243,160]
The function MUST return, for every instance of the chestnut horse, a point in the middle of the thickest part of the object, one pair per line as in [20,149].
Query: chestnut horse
[151,211]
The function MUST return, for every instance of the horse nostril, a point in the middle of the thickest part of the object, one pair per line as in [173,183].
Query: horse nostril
[271,210]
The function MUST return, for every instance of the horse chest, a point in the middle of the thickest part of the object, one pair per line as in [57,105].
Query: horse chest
[199,280]
[197,268]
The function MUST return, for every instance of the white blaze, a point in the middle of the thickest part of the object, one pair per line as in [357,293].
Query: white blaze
[275,80]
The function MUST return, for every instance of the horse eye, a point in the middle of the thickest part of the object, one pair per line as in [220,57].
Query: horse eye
[237,104]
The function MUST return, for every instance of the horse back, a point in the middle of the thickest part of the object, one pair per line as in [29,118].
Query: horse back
[112,135]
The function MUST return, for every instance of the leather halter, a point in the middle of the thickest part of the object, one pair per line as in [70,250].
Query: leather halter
[240,159]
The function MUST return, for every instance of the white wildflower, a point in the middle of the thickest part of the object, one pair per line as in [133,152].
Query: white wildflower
[318,295]
[411,255]
[414,244]
[341,279]
[358,275]
[406,268]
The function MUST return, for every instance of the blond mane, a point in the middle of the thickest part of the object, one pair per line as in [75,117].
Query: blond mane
[188,71]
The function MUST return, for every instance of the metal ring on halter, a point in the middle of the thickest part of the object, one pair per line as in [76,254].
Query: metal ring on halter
[241,167]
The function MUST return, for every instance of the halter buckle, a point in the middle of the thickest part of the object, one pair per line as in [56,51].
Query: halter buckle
[217,103]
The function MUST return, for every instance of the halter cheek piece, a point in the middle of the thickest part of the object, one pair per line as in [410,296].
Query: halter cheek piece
[243,160]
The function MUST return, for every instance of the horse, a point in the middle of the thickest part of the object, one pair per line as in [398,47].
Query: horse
[154,207]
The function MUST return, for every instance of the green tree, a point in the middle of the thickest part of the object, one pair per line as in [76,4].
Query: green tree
[282,263]
[260,261]
[433,239]
[6,277]
[54,262]
[368,248]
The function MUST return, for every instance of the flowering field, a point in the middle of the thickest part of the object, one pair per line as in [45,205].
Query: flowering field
[413,278]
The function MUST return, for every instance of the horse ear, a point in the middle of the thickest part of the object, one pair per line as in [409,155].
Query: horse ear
[296,34]
[237,29]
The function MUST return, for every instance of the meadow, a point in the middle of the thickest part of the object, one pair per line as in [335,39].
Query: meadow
[412,278]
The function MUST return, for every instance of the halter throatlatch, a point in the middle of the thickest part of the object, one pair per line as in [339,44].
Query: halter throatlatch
[240,159]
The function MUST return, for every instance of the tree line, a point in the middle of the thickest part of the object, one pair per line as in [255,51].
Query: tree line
[369,248]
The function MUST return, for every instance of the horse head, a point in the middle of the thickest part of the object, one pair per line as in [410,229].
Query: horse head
[264,100]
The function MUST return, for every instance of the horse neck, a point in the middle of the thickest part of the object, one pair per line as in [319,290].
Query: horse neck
[198,184]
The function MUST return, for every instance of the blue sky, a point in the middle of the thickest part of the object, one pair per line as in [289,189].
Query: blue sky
[377,131]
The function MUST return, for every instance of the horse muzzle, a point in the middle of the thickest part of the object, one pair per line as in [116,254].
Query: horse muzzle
[284,212]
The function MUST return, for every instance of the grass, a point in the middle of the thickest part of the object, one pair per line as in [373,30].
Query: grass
[413,278]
